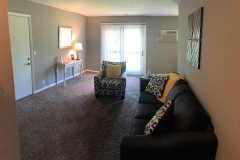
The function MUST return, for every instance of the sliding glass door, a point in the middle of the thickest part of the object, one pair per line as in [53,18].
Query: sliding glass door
[125,42]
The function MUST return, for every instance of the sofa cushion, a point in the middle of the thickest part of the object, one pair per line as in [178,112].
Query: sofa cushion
[138,126]
[148,98]
[173,78]
[156,86]
[146,111]
[162,121]
[189,115]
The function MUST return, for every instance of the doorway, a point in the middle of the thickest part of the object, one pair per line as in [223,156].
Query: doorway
[21,49]
[125,42]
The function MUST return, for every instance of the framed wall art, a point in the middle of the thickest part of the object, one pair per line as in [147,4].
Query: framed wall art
[194,35]
[65,37]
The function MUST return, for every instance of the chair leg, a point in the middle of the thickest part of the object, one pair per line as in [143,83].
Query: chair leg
[122,97]
[97,96]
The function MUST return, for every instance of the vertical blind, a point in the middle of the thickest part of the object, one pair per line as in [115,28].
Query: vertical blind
[123,42]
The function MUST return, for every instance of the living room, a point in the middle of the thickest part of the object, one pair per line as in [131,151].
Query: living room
[57,122]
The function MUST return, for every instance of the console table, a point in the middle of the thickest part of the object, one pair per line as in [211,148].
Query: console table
[68,64]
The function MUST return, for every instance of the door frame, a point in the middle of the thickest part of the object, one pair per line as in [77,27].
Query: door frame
[145,45]
[145,48]
[31,43]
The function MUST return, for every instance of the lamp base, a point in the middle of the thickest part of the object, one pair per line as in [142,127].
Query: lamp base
[78,55]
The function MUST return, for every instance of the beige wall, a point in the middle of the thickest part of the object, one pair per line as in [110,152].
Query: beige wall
[161,57]
[216,83]
[9,140]
[45,22]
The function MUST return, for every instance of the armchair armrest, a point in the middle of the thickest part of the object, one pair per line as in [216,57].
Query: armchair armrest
[99,76]
[124,75]
[178,145]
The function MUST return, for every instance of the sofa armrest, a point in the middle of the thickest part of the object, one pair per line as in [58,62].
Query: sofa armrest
[178,145]
[143,83]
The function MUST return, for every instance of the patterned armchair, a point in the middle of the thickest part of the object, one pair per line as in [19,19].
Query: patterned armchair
[112,87]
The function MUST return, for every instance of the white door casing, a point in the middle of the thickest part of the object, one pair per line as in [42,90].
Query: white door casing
[144,53]
[21,55]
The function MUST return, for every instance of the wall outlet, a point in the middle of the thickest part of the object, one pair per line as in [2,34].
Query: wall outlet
[43,81]
[34,53]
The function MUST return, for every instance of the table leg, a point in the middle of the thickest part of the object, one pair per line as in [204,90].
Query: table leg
[81,70]
[73,71]
[56,74]
[65,71]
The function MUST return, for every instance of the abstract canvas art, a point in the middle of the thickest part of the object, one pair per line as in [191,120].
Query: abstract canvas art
[194,38]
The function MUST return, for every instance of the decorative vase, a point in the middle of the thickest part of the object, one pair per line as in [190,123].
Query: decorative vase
[61,59]
[149,73]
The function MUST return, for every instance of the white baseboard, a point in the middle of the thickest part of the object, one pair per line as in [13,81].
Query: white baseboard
[68,78]
[60,81]
[49,86]
[91,70]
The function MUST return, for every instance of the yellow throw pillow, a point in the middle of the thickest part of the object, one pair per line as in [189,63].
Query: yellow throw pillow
[173,77]
[113,71]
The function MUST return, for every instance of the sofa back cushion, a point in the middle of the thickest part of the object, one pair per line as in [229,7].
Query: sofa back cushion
[173,78]
[188,114]
[179,87]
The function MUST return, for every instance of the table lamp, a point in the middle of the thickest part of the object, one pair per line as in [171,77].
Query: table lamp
[78,47]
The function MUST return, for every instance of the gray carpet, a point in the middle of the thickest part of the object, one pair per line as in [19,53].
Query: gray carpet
[70,123]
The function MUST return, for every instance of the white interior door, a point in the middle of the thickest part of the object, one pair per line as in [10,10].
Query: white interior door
[20,48]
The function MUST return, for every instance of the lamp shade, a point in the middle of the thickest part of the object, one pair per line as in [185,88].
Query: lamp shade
[78,46]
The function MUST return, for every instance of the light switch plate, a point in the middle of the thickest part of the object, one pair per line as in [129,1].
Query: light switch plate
[34,53]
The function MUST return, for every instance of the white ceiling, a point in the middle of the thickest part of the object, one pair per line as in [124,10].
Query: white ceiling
[115,7]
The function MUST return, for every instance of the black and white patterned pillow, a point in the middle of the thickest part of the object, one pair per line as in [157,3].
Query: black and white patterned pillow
[164,115]
[156,85]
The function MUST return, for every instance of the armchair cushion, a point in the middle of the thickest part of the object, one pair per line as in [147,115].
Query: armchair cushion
[111,83]
[104,67]
[113,71]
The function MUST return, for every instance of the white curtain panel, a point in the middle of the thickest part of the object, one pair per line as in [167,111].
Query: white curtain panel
[123,42]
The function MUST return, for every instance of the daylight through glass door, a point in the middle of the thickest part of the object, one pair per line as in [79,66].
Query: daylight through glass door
[125,42]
